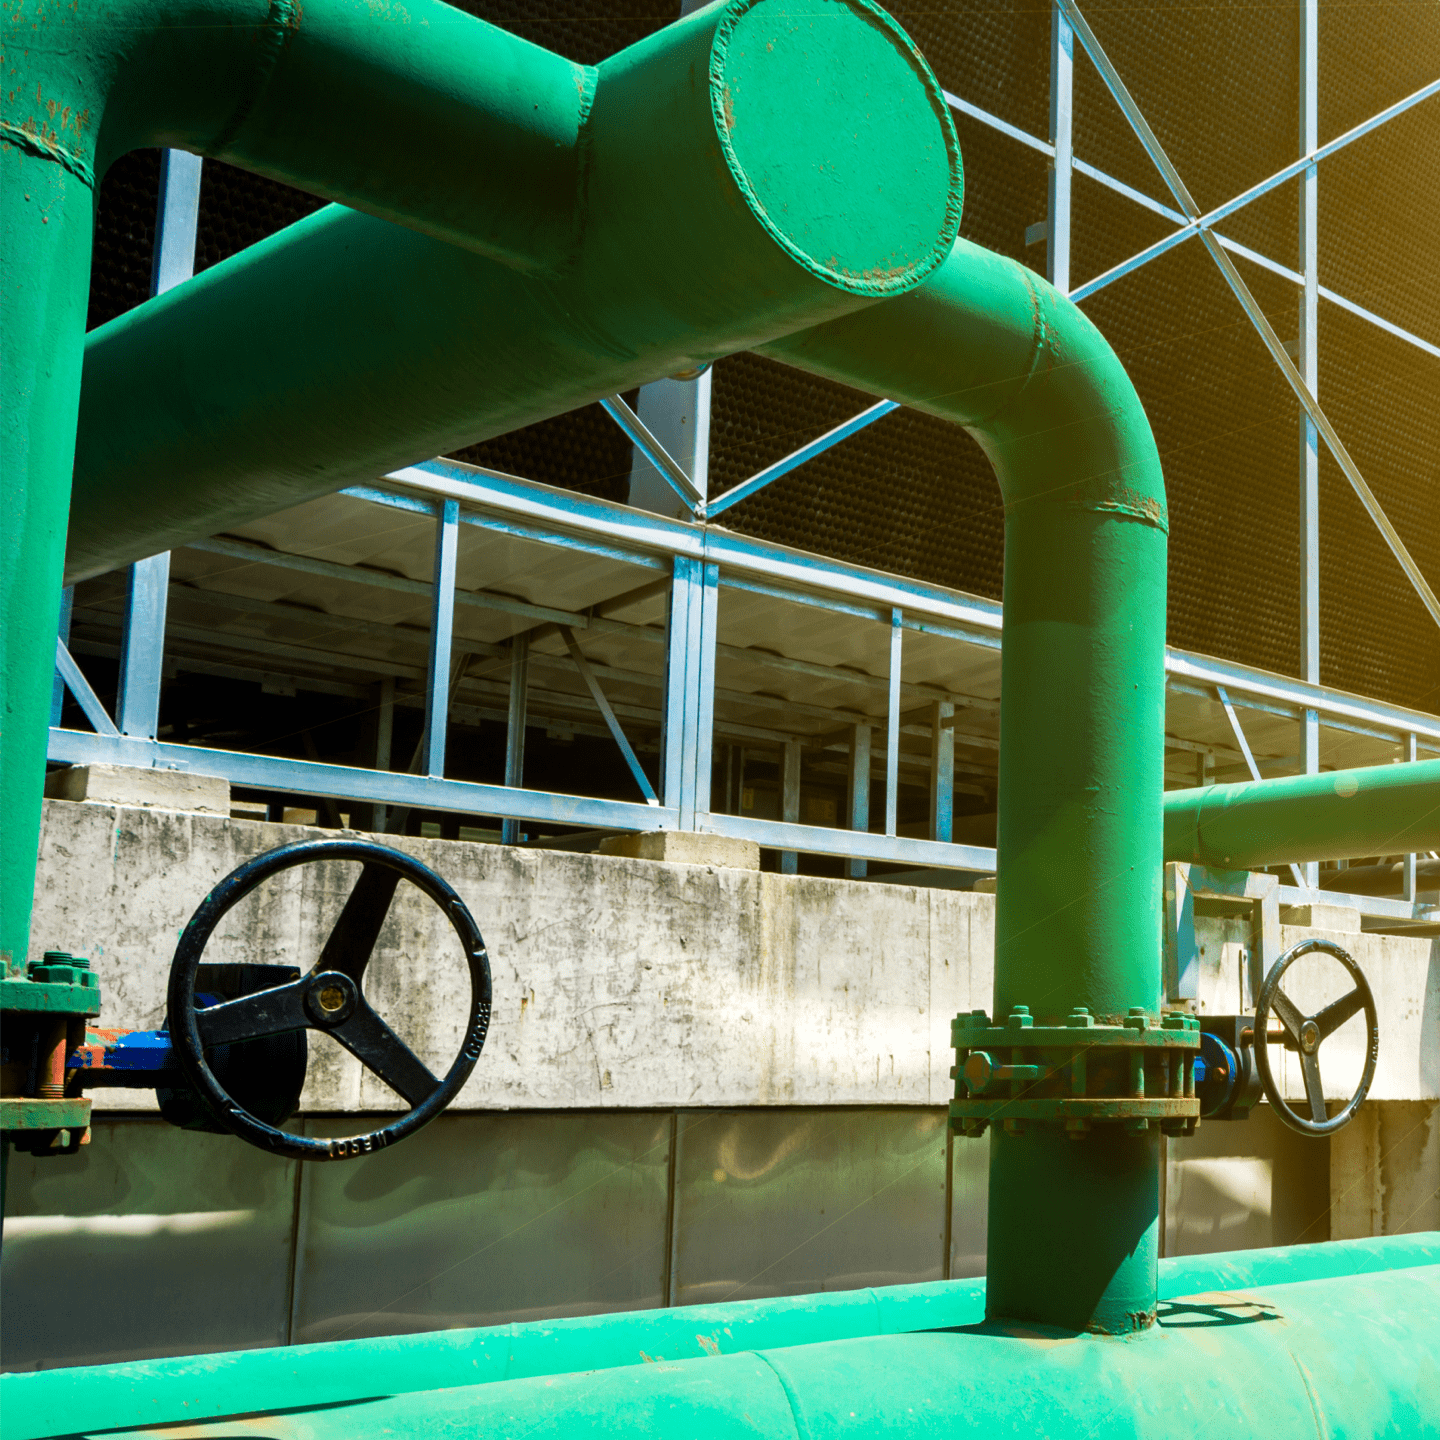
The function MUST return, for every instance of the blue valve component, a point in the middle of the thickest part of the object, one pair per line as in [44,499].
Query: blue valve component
[1217,1072]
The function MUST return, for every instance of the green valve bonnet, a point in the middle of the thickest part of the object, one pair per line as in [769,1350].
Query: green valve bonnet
[851,165]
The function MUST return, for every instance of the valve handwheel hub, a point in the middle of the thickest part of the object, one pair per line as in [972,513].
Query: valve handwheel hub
[330,998]
[1307,1033]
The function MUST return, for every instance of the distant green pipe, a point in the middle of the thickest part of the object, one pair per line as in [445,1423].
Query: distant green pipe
[1073,1224]
[196,1387]
[1336,815]
[727,179]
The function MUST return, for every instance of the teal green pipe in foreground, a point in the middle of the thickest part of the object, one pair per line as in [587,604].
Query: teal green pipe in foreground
[727,179]
[1349,1357]
[1336,815]
[1074,1223]
[209,1386]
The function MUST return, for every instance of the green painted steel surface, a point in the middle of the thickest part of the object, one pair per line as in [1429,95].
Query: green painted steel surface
[611,224]
[1355,1356]
[1337,815]
[156,1391]
[989,345]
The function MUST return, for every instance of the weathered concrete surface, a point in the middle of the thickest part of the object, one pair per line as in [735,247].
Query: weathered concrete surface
[618,982]
[135,786]
[1385,1171]
[628,983]
[685,847]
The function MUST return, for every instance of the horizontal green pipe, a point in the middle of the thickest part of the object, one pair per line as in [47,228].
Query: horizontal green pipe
[1336,815]
[727,179]
[193,1387]
[717,211]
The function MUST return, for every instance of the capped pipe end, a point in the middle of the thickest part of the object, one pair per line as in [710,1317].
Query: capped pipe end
[839,138]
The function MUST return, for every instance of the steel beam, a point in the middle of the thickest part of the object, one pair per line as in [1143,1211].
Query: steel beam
[858,790]
[79,686]
[942,770]
[57,687]
[892,725]
[515,721]
[603,705]
[790,801]
[442,631]
[1061,168]
[142,646]
[384,741]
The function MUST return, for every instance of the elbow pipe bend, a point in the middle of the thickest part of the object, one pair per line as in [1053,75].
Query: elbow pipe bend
[987,344]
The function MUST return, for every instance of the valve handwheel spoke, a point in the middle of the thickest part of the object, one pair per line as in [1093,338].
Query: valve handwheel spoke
[377,1047]
[1306,1033]
[328,999]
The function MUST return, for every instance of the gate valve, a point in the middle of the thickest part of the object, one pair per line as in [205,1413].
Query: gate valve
[1306,1033]
[330,998]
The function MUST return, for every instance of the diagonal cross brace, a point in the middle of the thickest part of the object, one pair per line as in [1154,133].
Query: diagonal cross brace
[1249,304]
[598,695]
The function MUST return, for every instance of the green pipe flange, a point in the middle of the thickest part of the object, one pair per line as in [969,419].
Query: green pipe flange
[1134,1073]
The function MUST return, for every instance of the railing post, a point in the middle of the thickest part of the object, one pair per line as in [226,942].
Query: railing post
[57,691]
[1062,83]
[442,630]
[1408,875]
[892,725]
[515,728]
[689,689]
[859,791]
[142,643]
[384,743]
[1308,361]
[790,800]
[942,770]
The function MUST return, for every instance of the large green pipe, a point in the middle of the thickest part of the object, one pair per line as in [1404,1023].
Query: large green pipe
[1073,1223]
[386,327]
[1337,815]
[728,179]
[193,1388]
[189,387]
[1358,1356]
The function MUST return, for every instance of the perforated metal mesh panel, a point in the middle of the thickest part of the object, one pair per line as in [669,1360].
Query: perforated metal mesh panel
[1219,87]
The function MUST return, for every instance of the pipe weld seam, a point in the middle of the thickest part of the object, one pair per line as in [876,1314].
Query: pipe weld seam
[47,149]
[282,21]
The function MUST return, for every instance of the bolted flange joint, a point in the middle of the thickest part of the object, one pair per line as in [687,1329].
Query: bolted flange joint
[1132,1071]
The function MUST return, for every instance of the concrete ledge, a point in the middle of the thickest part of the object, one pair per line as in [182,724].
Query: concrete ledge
[685,847]
[1338,919]
[141,789]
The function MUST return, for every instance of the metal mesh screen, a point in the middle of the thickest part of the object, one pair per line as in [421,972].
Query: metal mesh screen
[1219,87]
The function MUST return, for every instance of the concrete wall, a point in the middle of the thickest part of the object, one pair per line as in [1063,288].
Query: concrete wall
[632,983]
[720,1083]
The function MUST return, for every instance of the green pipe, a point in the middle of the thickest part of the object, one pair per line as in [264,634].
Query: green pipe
[189,387]
[1336,815]
[198,1387]
[726,180]
[1073,1224]
[1358,1356]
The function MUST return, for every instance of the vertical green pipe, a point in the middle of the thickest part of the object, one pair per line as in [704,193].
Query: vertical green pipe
[46,218]
[1073,1236]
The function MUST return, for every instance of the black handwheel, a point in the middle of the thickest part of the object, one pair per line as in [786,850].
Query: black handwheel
[328,999]
[1306,1033]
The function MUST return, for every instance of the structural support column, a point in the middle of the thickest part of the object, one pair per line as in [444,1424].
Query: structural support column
[677,413]
[1062,91]
[1408,877]
[384,743]
[442,631]
[942,770]
[1308,361]
[861,739]
[142,645]
[57,690]
[892,726]
[790,800]
[515,728]
[689,688]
